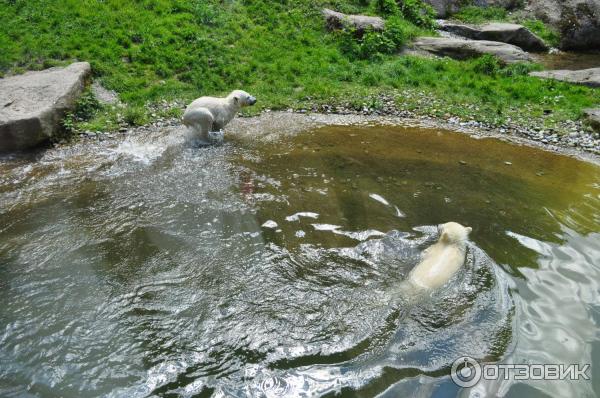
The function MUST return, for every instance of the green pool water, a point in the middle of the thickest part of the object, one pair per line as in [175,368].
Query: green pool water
[140,267]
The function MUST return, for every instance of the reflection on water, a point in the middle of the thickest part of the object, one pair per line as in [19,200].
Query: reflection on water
[568,60]
[143,267]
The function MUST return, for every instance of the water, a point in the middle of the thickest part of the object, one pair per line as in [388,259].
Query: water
[569,60]
[140,267]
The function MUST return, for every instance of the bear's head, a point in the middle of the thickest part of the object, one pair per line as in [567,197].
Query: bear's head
[242,98]
[453,232]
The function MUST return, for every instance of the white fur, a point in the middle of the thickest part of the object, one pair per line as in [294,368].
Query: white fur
[442,260]
[211,114]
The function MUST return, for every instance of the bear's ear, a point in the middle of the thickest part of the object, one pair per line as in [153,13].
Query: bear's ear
[445,236]
[236,99]
[469,229]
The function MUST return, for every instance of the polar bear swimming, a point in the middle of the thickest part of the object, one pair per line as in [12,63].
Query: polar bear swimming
[442,260]
[438,264]
[211,114]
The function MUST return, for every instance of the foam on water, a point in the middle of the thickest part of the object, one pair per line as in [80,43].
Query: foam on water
[148,148]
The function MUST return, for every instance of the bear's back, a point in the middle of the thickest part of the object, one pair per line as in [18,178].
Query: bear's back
[440,262]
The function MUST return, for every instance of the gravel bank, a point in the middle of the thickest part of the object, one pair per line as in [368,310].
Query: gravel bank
[570,138]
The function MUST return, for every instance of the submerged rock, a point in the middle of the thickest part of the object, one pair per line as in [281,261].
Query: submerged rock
[337,20]
[464,49]
[586,77]
[503,32]
[33,104]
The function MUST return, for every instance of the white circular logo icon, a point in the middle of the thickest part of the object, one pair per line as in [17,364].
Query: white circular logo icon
[466,372]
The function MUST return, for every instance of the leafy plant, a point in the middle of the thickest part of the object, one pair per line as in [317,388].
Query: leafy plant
[374,45]
[418,12]
[415,11]
[68,124]
[86,106]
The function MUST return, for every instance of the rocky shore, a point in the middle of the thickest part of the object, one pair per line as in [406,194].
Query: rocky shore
[569,134]
[570,138]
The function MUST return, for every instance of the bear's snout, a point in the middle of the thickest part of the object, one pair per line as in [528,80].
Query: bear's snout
[251,100]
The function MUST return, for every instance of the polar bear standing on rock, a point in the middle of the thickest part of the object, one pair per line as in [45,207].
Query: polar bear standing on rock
[442,260]
[211,114]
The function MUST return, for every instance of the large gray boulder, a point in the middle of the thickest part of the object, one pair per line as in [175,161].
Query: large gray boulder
[464,49]
[33,104]
[443,8]
[337,20]
[578,21]
[503,32]
[586,77]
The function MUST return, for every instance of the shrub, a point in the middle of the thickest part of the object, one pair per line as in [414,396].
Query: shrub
[377,43]
[373,45]
[415,11]
[68,127]
[418,12]
[86,106]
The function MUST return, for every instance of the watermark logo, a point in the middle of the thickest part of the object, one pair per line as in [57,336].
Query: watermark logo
[466,372]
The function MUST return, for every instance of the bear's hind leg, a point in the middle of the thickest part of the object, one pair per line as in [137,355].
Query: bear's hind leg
[199,121]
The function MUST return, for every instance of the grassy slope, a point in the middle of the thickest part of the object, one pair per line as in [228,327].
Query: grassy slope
[149,50]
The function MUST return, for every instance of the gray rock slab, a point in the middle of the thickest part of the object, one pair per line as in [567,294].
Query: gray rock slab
[586,77]
[33,104]
[337,20]
[510,33]
[465,49]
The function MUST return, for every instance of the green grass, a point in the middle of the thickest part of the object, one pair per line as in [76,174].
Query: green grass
[479,89]
[477,15]
[150,50]
[550,36]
